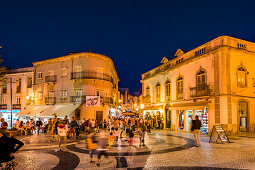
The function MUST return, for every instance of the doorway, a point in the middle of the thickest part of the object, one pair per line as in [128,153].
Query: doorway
[99,116]
[168,117]
[243,116]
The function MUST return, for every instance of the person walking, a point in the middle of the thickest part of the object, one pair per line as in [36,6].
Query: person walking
[73,125]
[130,140]
[38,125]
[195,128]
[92,146]
[101,146]
[62,133]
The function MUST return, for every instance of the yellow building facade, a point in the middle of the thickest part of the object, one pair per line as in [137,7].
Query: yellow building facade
[83,85]
[215,81]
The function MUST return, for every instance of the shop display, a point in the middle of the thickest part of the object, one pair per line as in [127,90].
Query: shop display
[203,116]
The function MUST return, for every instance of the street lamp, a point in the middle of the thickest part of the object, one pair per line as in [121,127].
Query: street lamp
[142,106]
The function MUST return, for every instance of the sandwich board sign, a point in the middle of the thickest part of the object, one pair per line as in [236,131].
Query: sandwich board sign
[218,133]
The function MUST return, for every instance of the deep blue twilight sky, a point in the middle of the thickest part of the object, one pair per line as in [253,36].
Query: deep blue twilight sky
[136,34]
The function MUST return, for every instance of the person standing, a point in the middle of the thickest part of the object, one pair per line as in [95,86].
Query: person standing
[62,133]
[73,127]
[195,128]
[38,125]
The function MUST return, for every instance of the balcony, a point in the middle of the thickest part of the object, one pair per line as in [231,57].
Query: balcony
[76,99]
[107,100]
[16,106]
[50,100]
[51,79]
[168,98]
[179,96]
[3,106]
[147,99]
[64,100]
[199,91]
[91,75]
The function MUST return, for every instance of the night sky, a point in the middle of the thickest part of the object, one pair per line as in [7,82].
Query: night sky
[136,35]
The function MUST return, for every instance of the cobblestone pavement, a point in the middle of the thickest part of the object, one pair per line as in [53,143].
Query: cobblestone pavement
[163,150]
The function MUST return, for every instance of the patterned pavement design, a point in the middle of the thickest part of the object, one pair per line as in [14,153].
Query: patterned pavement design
[163,150]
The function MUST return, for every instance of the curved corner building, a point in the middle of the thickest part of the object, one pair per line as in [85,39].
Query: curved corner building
[83,85]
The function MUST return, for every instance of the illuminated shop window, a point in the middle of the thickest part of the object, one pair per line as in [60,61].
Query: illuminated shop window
[241,76]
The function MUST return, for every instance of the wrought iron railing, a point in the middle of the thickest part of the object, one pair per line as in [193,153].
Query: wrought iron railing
[50,78]
[91,75]
[50,100]
[199,91]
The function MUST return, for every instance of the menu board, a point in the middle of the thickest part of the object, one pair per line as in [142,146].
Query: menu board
[218,133]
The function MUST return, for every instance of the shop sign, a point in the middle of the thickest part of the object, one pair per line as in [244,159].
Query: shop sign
[93,101]
[9,111]
[218,133]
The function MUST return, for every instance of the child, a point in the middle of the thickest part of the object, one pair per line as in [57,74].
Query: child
[131,135]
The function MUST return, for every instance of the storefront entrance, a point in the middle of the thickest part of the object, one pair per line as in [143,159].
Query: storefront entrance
[168,118]
[181,120]
[243,116]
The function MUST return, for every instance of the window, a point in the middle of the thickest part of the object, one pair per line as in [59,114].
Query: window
[51,94]
[147,91]
[241,76]
[4,101]
[18,100]
[63,94]
[64,72]
[200,51]
[5,87]
[18,85]
[29,82]
[179,88]
[201,80]
[40,75]
[168,90]
[98,92]
[158,91]
[242,46]
[78,92]
[78,69]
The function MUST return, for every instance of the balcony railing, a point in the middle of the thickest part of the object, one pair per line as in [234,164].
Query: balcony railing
[76,99]
[64,100]
[91,75]
[199,91]
[179,96]
[168,98]
[147,99]
[16,106]
[49,79]
[50,100]
[107,100]
[3,106]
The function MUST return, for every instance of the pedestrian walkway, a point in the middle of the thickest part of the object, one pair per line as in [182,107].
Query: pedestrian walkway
[163,150]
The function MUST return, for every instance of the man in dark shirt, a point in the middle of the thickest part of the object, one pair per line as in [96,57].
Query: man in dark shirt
[196,125]
[39,124]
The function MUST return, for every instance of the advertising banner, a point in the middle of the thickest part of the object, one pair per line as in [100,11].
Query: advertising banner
[93,101]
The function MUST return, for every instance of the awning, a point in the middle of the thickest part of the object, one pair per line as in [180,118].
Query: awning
[61,110]
[32,110]
[189,106]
